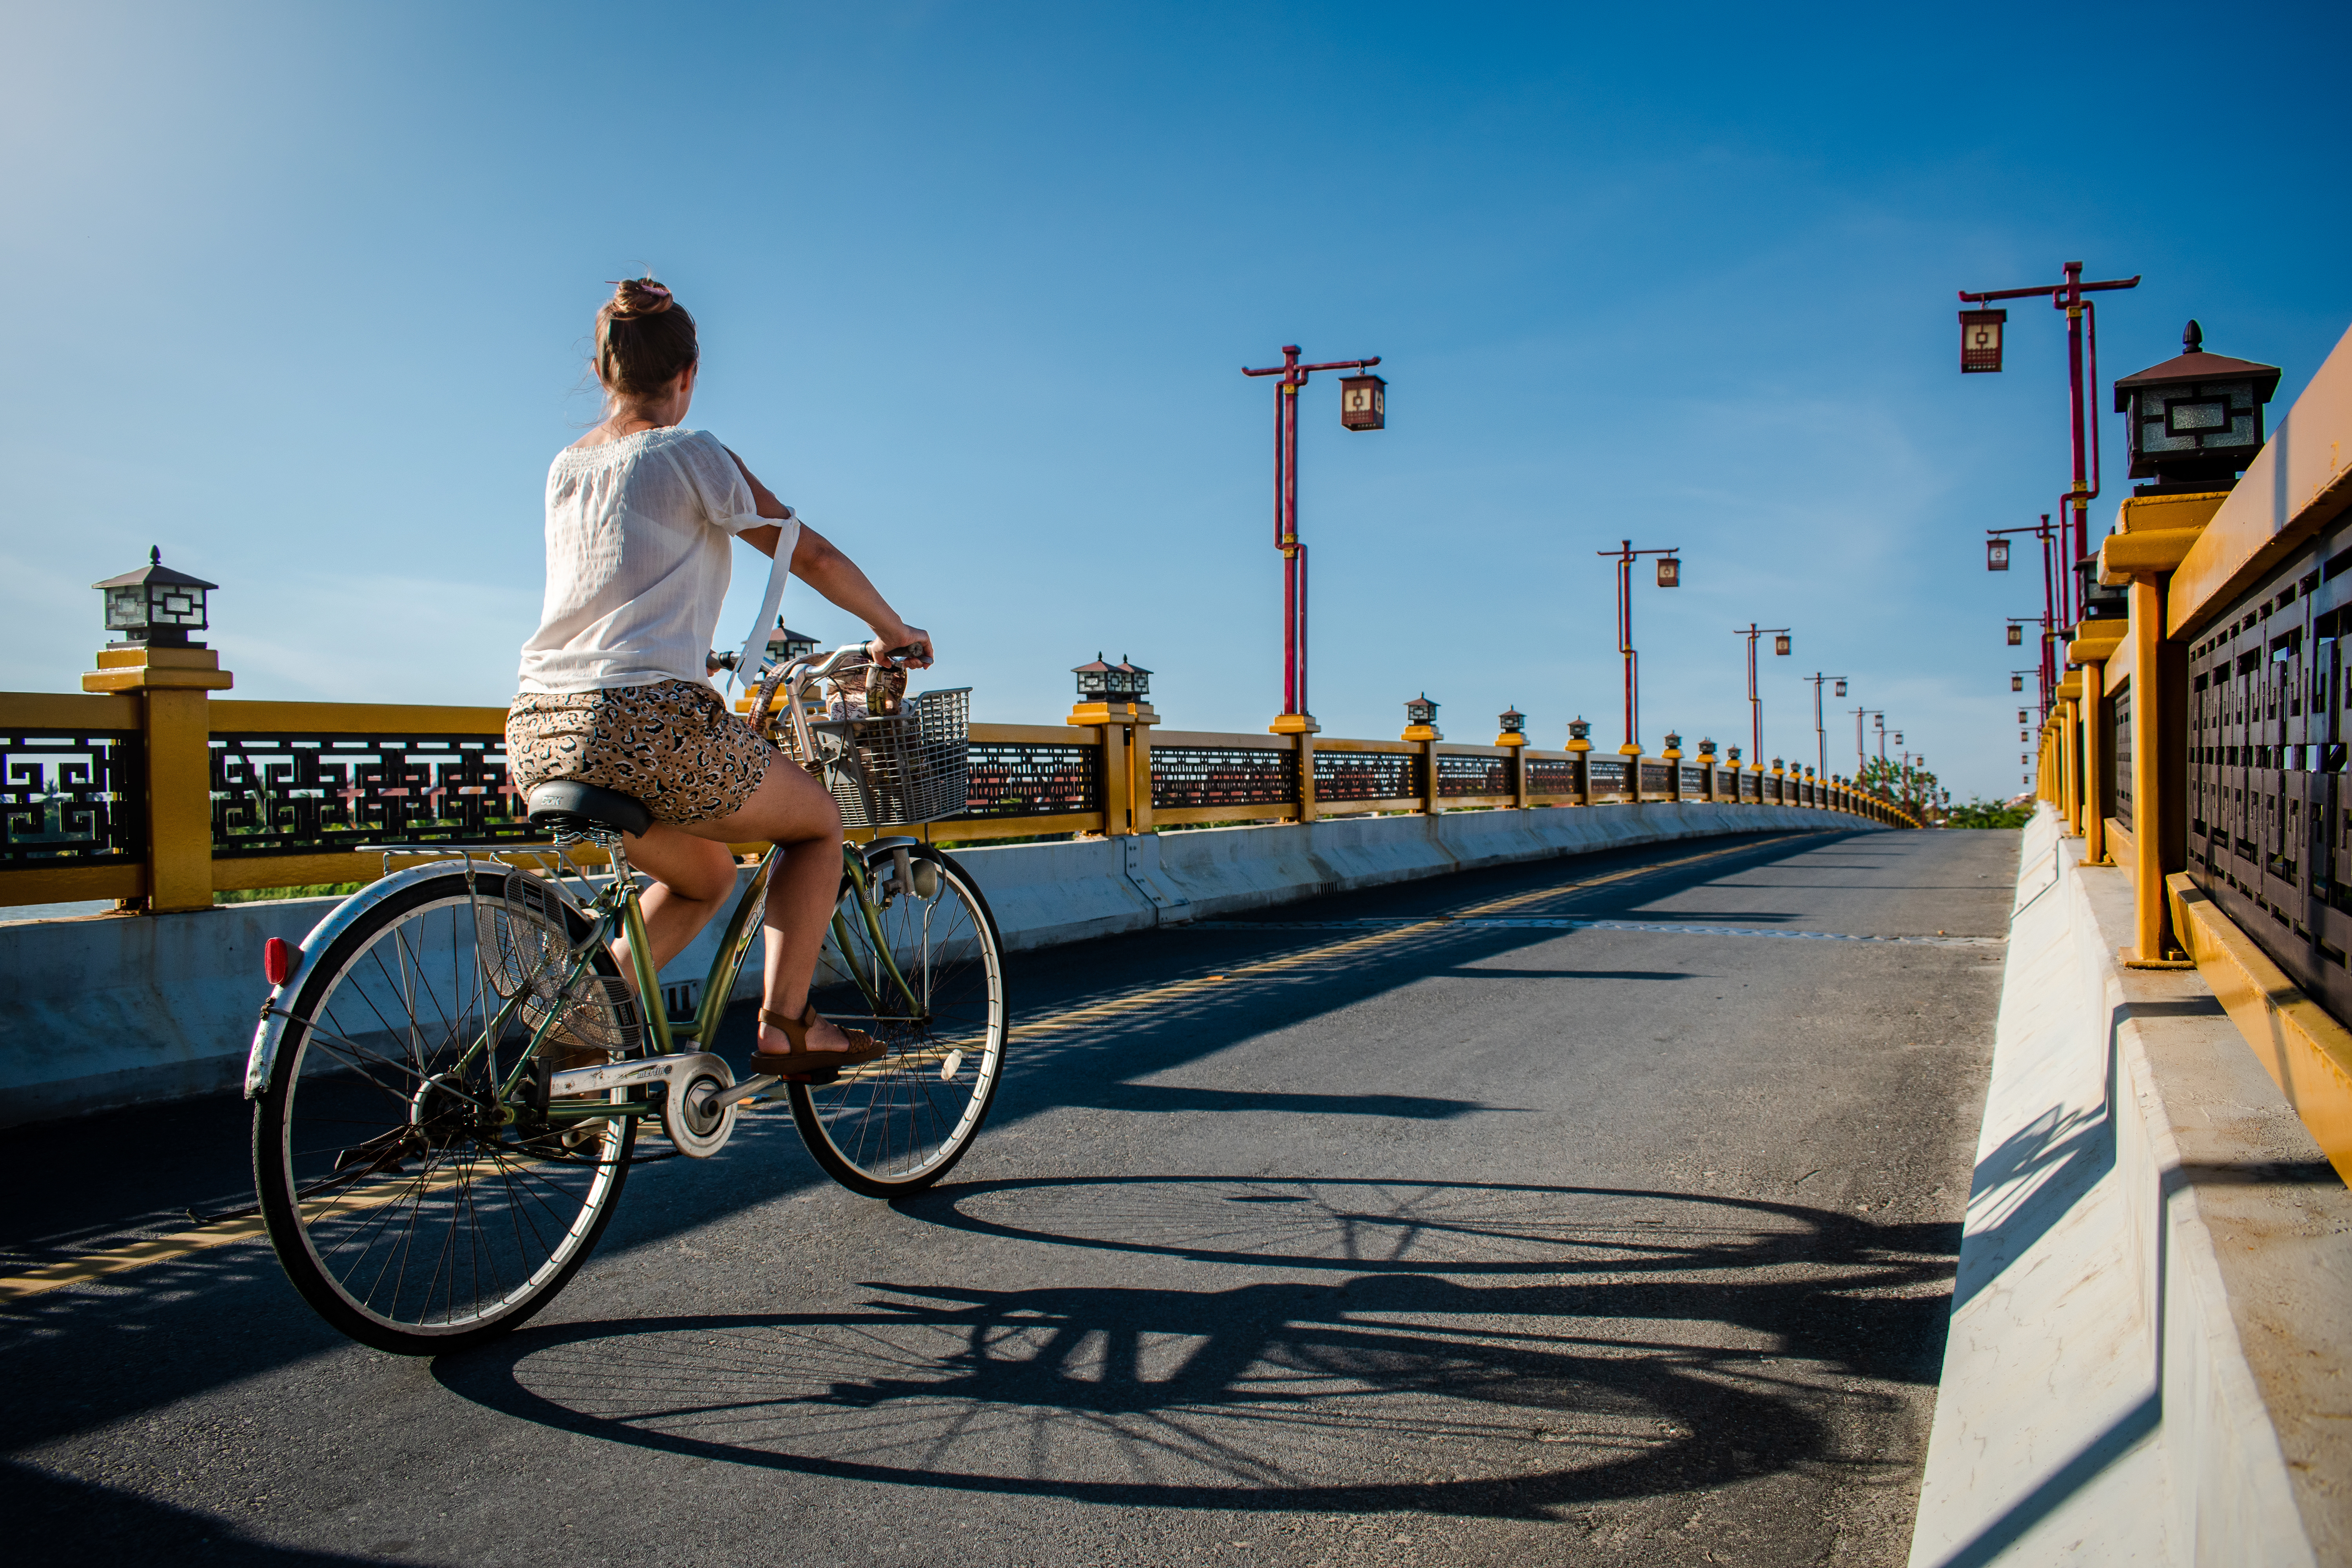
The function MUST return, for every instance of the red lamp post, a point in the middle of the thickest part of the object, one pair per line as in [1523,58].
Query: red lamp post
[1779,635]
[1363,406]
[1670,575]
[2054,599]
[1980,351]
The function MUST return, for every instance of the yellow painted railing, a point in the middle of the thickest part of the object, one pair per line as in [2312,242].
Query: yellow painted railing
[161,798]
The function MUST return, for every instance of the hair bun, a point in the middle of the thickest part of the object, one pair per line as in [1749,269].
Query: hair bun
[639,297]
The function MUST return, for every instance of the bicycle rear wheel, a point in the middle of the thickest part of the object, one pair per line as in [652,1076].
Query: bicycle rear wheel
[897,1125]
[405,1204]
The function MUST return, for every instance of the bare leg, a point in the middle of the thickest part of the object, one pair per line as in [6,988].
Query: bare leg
[792,809]
[692,879]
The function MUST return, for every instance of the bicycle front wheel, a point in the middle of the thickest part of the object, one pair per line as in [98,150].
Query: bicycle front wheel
[406,1201]
[925,977]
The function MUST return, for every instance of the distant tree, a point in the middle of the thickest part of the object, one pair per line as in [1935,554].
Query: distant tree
[1988,814]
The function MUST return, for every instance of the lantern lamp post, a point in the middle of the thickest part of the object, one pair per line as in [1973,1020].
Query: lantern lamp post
[1779,635]
[155,606]
[1580,735]
[1996,554]
[1363,406]
[1821,735]
[2082,320]
[1624,555]
[1514,728]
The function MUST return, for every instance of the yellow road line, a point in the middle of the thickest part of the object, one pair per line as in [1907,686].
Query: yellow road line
[223,1233]
[220,1232]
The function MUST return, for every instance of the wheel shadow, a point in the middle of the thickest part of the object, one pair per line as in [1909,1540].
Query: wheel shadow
[1488,1350]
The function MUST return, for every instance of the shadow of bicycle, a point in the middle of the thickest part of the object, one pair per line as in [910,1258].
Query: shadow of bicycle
[1490,1350]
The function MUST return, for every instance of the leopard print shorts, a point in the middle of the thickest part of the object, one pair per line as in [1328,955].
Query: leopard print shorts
[673,745]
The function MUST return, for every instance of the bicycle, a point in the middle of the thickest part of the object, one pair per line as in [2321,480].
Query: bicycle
[450,1075]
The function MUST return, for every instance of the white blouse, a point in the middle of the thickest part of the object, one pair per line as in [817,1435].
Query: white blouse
[639,533]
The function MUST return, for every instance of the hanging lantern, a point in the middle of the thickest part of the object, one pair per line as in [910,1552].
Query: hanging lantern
[2020,716]
[2017,683]
[2016,634]
[1780,645]
[1980,340]
[1841,688]
[1363,402]
[1421,710]
[1670,571]
[1996,554]
[155,606]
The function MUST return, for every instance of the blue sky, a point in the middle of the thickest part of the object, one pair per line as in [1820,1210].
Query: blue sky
[302,294]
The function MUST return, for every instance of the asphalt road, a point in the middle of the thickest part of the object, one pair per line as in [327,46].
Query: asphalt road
[1486,1244]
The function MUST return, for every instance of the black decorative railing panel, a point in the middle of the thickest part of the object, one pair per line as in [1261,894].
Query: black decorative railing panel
[310,794]
[1223,775]
[1654,779]
[1366,776]
[71,797]
[1550,775]
[1032,778]
[1458,776]
[2120,761]
[1726,784]
[1752,787]
[2267,823]
[1693,782]
[1608,776]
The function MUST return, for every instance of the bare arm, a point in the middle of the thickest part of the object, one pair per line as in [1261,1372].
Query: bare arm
[818,563]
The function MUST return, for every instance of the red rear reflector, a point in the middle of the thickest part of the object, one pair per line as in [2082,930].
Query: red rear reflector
[277,956]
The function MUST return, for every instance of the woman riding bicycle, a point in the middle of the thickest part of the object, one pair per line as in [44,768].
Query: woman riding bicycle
[614,693]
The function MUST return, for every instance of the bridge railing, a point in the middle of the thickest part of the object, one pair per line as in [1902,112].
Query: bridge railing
[162,804]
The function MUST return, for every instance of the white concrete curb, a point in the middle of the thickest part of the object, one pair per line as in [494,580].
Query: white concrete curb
[103,1011]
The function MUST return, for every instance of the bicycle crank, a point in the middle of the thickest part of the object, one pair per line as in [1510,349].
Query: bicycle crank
[698,1114]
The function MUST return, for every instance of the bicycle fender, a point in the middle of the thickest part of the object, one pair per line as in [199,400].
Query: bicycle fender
[271,1027]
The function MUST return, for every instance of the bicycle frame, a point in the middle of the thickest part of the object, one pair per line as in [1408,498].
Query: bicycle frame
[615,910]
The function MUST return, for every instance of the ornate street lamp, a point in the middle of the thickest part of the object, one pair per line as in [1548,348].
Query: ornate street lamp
[1980,340]
[155,606]
[1514,728]
[1139,680]
[1363,402]
[1580,735]
[2196,420]
[1996,554]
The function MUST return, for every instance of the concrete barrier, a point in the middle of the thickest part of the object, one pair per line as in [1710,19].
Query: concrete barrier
[102,1012]
[2150,1351]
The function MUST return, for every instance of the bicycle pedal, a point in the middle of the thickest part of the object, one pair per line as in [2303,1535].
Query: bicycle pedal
[813,1079]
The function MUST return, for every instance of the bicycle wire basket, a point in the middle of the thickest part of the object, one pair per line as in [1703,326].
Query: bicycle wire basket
[898,770]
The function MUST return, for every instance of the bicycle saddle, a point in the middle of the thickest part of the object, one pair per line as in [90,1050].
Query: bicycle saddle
[569,806]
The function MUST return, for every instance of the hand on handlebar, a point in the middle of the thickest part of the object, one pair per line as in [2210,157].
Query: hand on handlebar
[909,646]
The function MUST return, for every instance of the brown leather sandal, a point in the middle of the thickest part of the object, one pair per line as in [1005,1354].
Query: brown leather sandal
[863,1047]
